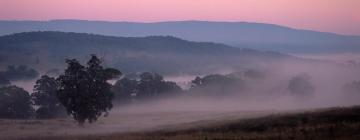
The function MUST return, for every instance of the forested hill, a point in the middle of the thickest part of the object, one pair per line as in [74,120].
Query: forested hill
[164,54]
[62,40]
[237,34]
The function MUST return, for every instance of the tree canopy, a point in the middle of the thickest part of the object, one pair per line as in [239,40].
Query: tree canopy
[217,84]
[44,96]
[148,86]
[125,89]
[15,103]
[84,91]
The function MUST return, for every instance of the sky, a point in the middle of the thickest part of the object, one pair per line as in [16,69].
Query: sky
[338,16]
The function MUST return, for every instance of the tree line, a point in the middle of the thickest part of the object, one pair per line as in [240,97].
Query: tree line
[84,93]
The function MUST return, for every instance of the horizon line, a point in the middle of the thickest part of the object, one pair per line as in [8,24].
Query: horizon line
[185,20]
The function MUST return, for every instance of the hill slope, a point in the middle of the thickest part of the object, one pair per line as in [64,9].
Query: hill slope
[238,34]
[163,54]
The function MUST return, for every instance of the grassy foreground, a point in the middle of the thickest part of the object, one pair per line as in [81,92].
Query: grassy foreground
[325,124]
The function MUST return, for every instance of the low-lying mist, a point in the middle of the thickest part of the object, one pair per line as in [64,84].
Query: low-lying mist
[270,91]
[256,90]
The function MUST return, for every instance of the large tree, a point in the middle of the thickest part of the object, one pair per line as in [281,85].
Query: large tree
[84,91]
[15,103]
[44,96]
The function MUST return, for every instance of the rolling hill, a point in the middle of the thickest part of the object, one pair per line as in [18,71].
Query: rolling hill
[237,34]
[162,54]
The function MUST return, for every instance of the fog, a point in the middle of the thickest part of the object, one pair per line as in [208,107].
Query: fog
[334,57]
[259,97]
[327,74]
[270,93]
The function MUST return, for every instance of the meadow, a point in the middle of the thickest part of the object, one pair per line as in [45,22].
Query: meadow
[342,123]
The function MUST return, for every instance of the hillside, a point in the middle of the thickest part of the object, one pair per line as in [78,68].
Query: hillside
[238,34]
[163,54]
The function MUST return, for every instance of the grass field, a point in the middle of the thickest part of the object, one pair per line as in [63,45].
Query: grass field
[320,124]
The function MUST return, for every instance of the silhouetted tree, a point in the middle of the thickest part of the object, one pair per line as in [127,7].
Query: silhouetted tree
[124,89]
[149,83]
[152,85]
[170,87]
[84,91]
[217,84]
[15,103]
[196,82]
[44,96]
[300,85]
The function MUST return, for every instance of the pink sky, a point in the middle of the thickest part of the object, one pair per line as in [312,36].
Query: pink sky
[340,16]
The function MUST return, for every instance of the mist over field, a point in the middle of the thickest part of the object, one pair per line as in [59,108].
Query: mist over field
[166,84]
[271,92]
[181,61]
[328,75]
[179,70]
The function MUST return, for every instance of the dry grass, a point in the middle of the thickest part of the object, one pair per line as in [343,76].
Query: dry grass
[327,124]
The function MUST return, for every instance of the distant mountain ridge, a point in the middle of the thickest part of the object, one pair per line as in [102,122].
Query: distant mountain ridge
[237,34]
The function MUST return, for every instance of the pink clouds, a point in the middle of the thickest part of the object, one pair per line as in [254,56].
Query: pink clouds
[340,16]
